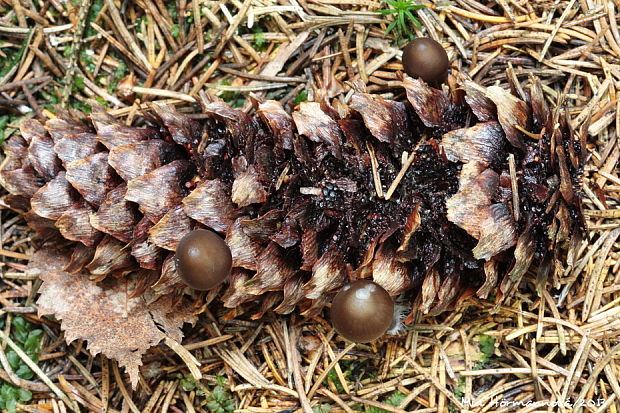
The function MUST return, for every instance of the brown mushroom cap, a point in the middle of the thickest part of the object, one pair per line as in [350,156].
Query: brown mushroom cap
[203,259]
[362,311]
[426,59]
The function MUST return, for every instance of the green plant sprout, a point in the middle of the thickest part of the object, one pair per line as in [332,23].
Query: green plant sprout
[218,400]
[29,339]
[404,13]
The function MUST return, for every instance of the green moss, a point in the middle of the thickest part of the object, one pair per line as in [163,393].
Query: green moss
[174,30]
[78,83]
[13,57]
[332,377]
[67,51]
[188,383]
[5,129]
[259,40]
[233,98]
[4,11]
[81,106]
[301,97]
[86,59]
[321,408]
[487,347]
[140,24]
[394,399]
[94,11]
[52,100]
[173,10]
[459,392]
[102,101]
[117,76]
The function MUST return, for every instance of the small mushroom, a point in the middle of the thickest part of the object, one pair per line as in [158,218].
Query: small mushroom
[427,59]
[362,311]
[203,259]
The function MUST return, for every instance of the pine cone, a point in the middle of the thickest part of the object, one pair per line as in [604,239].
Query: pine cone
[302,198]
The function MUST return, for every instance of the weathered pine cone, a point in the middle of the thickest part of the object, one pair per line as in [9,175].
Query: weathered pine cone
[296,198]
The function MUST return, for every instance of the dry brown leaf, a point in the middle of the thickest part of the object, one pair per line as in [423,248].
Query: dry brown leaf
[120,327]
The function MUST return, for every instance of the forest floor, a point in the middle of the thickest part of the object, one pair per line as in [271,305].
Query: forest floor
[558,344]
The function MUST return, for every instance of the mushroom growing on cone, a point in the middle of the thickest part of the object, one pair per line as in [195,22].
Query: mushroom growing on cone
[440,196]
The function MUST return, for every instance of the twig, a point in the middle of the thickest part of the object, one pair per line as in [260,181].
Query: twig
[118,22]
[4,362]
[319,380]
[375,170]
[337,400]
[163,93]
[378,405]
[47,30]
[511,370]
[75,50]
[514,185]
[105,382]
[436,383]
[264,78]
[399,177]
[187,357]
[303,399]
[555,30]
[16,255]
[120,47]
[26,384]
[19,83]
[123,389]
